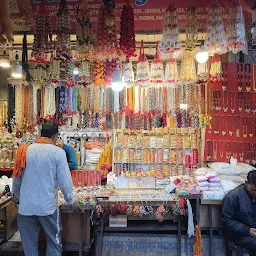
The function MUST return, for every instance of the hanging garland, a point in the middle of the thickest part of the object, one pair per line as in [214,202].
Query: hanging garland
[128,73]
[170,45]
[217,40]
[236,30]
[202,72]
[107,45]
[84,33]
[110,67]
[171,72]
[216,69]
[157,68]
[98,73]
[63,31]
[127,32]
[188,68]
[43,43]
[142,66]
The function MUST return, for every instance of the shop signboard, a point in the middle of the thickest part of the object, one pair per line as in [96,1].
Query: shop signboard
[148,13]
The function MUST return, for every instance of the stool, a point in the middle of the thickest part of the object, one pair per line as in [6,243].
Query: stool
[238,251]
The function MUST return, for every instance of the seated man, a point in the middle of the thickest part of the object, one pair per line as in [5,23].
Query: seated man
[239,214]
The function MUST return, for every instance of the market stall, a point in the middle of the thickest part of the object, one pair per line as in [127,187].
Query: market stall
[162,122]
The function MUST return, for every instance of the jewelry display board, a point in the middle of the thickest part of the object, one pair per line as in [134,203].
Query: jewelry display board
[161,152]
[233,107]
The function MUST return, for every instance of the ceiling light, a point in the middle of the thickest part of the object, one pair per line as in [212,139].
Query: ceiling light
[117,84]
[202,55]
[17,68]
[4,61]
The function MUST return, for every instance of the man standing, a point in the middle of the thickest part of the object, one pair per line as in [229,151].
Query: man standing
[39,170]
[239,214]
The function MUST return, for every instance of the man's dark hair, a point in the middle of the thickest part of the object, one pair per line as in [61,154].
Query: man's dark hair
[252,177]
[49,129]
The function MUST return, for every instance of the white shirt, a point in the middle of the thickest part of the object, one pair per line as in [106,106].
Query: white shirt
[37,188]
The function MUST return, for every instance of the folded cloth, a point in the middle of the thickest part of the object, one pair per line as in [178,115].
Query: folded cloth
[201,179]
[203,184]
[236,179]
[219,165]
[214,180]
[213,185]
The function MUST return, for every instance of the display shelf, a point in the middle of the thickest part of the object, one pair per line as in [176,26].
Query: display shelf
[6,169]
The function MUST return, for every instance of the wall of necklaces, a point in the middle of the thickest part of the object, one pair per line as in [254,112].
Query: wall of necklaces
[74,89]
[233,105]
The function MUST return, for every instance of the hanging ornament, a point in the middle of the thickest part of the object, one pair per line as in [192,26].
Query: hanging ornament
[84,33]
[217,38]
[43,43]
[170,46]
[236,30]
[157,68]
[142,67]
[171,72]
[110,66]
[63,31]
[191,30]
[98,73]
[107,45]
[198,250]
[54,70]
[85,75]
[128,74]
[216,69]
[188,69]
[202,72]
[127,31]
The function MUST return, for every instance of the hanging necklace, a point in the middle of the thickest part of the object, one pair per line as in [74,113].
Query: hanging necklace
[216,124]
[228,150]
[254,102]
[225,76]
[232,97]
[247,99]
[223,124]
[248,77]
[254,153]
[218,108]
[235,150]
[240,101]
[230,125]
[221,142]
[248,152]
[225,101]
[209,146]
[250,126]
[238,126]
[240,77]
[215,150]
[245,127]
[241,151]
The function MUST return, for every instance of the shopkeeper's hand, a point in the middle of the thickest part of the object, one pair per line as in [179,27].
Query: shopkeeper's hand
[253,232]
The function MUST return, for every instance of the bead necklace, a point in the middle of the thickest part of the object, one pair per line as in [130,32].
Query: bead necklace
[63,43]
[84,33]
[216,42]
[236,30]
[170,45]
[171,72]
